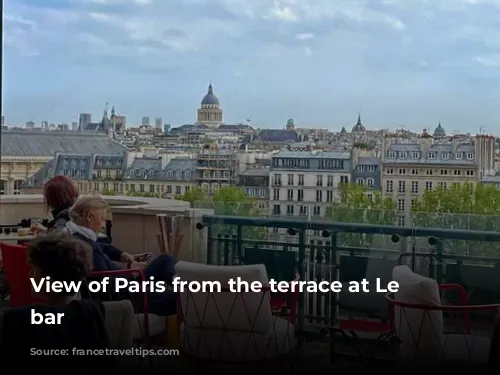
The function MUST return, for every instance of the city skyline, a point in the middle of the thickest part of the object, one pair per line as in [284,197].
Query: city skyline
[410,63]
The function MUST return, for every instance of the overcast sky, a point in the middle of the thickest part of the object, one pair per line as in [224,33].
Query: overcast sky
[409,63]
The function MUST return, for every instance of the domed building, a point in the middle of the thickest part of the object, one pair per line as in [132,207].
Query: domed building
[439,132]
[210,113]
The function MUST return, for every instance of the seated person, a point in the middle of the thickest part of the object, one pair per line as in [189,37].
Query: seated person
[88,216]
[63,259]
[59,194]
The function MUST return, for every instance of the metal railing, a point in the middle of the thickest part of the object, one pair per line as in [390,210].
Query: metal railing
[320,251]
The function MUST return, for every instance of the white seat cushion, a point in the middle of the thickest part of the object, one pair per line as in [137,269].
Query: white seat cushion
[219,345]
[232,311]
[420,331]
[156,326]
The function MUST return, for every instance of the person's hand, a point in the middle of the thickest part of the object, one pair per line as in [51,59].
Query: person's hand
[137,265]
[37,229]
[143,257]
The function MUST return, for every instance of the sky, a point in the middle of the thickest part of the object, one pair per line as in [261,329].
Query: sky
[400,63]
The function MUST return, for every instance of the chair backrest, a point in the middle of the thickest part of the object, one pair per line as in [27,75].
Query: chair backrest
[17,271]
[248,312]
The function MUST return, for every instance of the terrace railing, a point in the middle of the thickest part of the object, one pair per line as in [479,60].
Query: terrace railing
[328,251]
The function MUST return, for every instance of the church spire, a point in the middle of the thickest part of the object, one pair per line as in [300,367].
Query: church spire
[359,120]
[210,89]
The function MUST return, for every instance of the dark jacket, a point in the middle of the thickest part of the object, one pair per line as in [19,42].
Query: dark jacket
[60,219]
[104,254]
[82,327]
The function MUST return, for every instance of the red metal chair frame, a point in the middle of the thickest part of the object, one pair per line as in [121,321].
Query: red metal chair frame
[266,290]
[140,277]
[350,329]
[463,308]
[18,275]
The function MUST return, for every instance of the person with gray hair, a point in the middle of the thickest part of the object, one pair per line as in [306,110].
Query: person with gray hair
[88,217]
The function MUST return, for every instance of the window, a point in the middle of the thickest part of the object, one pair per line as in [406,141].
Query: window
[303,210]
[3,186]
[344,179]
[429,172]
[178,190]
[116,186]
[319,196]
[403,155]
[428,185]
[402,186]
[442,185]
[392,155]
[17,186]
[401,221]
[300,195]
[445,155]
[459,155]
[301,180]
[329,180]
[402,171]
[276,209]
[290,179]
[444,172]
[329,196]
[389,185]
[415,154]
[319,180]
[401,204]
[289,209]
[276,194]
[470,156]
[414,187]
[289,195]
[360,181]
[370,182]
[169,189]
[413,203]
[414,171]
[457,172]
[277,179]
[470,173]
[431,155]
[151,188]
[317,211]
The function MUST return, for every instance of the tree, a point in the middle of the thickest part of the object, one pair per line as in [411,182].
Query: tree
[461,206]
[359,205]
[192,196]
[234,201]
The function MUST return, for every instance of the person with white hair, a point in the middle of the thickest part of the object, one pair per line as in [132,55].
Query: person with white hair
[88,217]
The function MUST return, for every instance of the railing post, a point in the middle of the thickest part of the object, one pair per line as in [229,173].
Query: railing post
[302,256]
[335,272]
[439,255]
[239,243]
[209,244]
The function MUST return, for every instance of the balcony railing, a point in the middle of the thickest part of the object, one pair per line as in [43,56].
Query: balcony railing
[320,251]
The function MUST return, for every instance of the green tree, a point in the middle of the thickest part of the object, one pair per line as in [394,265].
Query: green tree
[461,206]
[359,205]
[192,196]
[234,201]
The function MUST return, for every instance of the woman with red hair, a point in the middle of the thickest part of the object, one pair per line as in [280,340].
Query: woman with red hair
[59,194]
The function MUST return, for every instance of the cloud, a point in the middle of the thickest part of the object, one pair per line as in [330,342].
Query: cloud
[394,49]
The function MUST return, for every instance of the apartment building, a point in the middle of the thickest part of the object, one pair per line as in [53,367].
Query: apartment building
[411,168]
[216,168]
[303,183]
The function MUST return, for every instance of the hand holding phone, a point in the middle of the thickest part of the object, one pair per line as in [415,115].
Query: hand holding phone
[143,258]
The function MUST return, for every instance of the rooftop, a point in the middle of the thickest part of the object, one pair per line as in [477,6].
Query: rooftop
[38,143]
